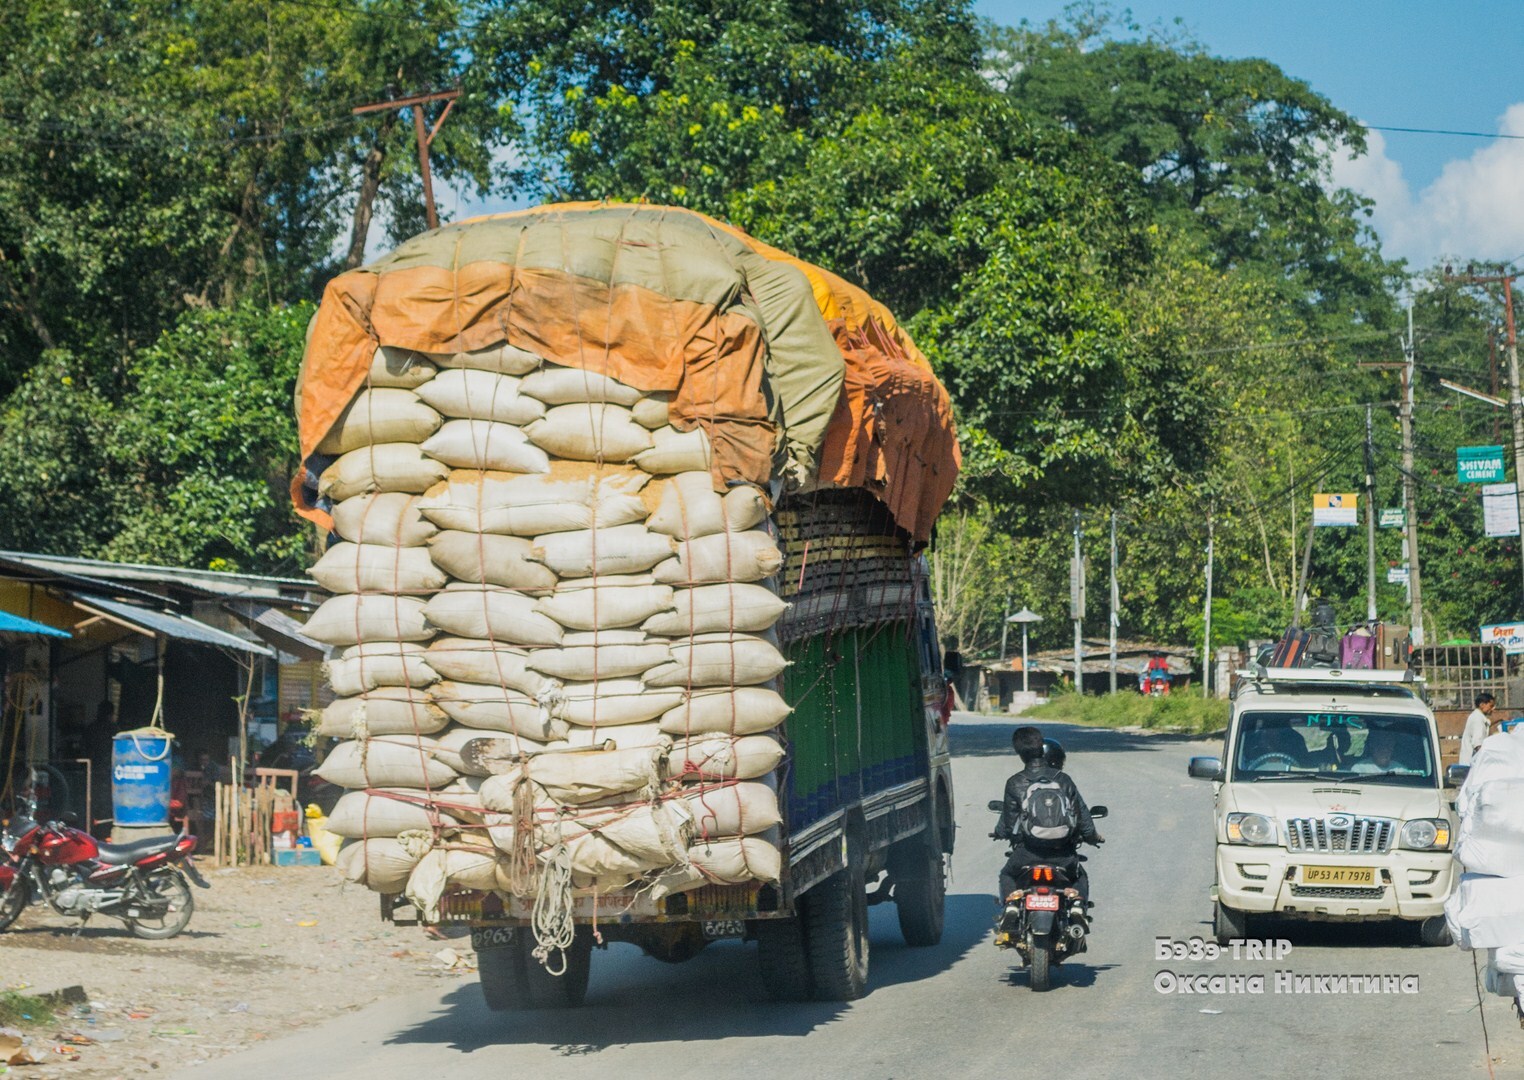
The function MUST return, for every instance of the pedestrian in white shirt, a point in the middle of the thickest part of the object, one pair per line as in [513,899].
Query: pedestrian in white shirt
[1478,726]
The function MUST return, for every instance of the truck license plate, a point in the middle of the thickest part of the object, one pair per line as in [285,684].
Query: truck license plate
[1339,875]
[484,938]
[715,929]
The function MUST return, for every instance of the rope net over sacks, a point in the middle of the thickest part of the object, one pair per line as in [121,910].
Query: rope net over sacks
[553,451]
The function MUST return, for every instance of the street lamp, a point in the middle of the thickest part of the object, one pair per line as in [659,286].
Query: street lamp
[1026,617]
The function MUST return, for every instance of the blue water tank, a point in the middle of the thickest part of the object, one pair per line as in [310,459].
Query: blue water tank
[140,764]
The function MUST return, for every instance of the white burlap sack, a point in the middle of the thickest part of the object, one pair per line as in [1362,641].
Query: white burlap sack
[606,607]
[611,702]
[385,761]
[380,416]
[623,736]
[491,708]
[445,867]
[356,617]
[721,757]
[1509,960]
[590,432]
[711,609]
[476,660]
[676,452]
[582,776]
[387,710]
[462,798]
[477,559]
[485,444]
[721,862]
[481,395]
[391,518]
[651,410]
[743,809]
[377,568]
[504,359]
[400,368]
[474,611]
[731,660]
[691,507]
[358,815]
[528,505]
[587,662]
[741,556]
[624,549]
[380,864]
[1490,839]
[362,668]
[383,467]
[654,834]
[1486,912]
[747,710]
[556,385]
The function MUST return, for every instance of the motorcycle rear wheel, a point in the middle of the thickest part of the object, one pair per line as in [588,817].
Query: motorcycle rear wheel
[1040,975]
[169,888]
[15,899]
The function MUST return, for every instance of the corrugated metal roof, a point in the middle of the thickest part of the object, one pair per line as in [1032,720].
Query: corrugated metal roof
[180,627]
[210,581]
[15,624]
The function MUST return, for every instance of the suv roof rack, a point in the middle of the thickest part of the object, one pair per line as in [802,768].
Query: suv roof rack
[1354,676]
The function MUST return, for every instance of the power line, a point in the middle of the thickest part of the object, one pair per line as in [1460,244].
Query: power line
[1442,131]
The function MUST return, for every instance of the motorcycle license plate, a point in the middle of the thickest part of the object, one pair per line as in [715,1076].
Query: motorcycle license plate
[484,938]
[1042,903]
[1358,876]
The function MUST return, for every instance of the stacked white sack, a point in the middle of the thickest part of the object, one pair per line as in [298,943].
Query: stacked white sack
[531,554]
[1486,911]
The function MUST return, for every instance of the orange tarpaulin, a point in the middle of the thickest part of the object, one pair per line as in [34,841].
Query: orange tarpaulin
[787,367]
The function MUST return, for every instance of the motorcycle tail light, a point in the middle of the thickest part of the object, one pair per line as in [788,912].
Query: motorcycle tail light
[1043,891]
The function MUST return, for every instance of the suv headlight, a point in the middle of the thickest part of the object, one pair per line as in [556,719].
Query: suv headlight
[1425,834]
[1250,829]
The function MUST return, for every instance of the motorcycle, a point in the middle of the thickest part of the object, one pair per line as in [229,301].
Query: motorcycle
[1045,921]
[143,883]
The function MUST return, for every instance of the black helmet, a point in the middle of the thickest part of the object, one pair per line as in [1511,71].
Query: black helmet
[1053,753]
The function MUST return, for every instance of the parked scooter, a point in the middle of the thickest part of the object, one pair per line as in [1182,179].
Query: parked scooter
[1045,921]
[143,883]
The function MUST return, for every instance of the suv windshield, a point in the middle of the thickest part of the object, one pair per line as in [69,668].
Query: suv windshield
[1376,748]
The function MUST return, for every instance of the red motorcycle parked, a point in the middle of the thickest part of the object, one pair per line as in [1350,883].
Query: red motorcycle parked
[143,883]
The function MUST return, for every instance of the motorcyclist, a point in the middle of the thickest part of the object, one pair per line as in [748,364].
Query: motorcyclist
[1041,763]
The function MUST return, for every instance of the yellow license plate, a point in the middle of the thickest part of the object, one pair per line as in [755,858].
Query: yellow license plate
[1339,875]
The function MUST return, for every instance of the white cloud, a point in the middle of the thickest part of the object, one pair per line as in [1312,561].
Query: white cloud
[1473,210]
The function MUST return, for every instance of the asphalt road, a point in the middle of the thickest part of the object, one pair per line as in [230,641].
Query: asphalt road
[964,1008]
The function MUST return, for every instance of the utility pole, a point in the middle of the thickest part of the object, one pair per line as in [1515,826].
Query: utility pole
[1206,644]
[1409,487]
[1005,626]
[1370,521]
[1515,404]
[1115,603]
[1077,606]
[424,135]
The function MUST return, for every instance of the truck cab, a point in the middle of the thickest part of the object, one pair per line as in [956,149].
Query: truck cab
[1330,802]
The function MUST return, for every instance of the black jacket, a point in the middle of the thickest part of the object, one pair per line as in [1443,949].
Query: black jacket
[1015,792]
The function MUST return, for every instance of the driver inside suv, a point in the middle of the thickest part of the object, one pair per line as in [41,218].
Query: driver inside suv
[1276,748]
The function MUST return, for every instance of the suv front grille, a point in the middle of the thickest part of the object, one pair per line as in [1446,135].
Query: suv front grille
[1343,833]
[1319,892]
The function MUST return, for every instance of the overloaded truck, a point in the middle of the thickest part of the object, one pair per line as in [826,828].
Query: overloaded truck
[633,640]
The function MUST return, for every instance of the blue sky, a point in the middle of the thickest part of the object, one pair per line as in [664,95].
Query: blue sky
[1450,64]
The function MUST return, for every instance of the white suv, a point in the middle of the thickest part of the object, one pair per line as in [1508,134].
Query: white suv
[1330,803]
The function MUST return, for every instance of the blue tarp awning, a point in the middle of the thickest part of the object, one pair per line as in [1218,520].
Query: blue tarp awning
[15,624]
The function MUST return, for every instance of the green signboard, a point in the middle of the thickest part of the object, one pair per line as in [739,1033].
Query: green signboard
[1394,519]
[1479,464]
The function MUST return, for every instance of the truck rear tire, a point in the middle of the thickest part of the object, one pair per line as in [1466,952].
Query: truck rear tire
[920,891]
[783,958]
[836,931]
[512,978]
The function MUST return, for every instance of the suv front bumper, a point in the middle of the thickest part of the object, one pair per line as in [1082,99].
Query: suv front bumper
[1408,884]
